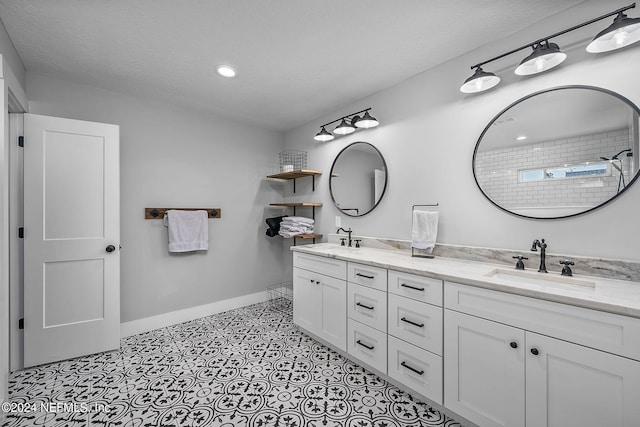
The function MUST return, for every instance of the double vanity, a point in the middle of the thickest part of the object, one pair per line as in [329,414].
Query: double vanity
[488,344]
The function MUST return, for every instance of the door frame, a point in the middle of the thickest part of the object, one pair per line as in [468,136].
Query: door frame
[14,98]
[16,245]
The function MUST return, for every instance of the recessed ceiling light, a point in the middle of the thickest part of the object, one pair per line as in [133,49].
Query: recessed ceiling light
[226,71]
[521,138]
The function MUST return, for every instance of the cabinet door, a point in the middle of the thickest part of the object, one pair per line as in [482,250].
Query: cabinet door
[569,385]
[484,373]
[333,300]
[307,311]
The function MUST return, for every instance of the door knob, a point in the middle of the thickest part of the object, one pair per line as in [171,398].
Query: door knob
[110,248]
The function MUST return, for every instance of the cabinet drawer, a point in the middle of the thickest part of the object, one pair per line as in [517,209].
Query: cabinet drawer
[416,287]
[373,277]
[367,305]
[612,333]
[415,322]
[323,265]
[415,368]
[368,345]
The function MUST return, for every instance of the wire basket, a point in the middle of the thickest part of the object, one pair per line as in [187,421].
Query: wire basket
[292,160]
[281,297]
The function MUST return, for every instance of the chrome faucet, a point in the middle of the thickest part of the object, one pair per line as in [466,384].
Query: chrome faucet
[346,231]
[543,253]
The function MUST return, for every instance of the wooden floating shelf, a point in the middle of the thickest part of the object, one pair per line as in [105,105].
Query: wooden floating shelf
[295,174]
[307,236]
[295,205]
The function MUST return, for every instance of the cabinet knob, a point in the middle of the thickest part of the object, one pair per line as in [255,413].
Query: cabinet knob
[313,281]
[535,351]
[513,344]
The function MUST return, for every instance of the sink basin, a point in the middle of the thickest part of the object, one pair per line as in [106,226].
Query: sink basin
[534,278]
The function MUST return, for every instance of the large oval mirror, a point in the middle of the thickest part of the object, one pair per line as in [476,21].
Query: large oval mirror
[559,152]
[358,179]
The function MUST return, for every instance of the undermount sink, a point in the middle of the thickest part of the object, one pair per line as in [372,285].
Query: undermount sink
[539,279]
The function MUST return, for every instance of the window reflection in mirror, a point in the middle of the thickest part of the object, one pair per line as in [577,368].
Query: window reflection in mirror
[358,179]
[559,152]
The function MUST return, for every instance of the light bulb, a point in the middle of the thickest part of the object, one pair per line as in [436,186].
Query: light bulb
[621,36]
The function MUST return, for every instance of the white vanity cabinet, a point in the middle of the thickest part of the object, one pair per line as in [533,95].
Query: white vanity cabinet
[510,362]
[319,297]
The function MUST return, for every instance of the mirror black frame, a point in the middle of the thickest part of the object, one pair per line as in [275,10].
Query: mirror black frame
[599,89]
[386,171]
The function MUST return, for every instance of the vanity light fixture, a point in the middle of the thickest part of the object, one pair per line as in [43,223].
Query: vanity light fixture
[623,32]
[344,128]
[366,121]
[348,124]
[546,55]
[323,135]
[480,80]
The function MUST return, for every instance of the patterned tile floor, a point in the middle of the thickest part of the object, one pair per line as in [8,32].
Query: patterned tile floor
[246,367]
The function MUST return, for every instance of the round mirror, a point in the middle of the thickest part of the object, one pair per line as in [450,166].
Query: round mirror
[559,152]
[358,179]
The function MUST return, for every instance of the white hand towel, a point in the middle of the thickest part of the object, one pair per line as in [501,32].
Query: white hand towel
[425,230]
[188,230]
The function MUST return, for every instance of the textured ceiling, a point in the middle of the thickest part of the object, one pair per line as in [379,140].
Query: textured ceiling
[297,60]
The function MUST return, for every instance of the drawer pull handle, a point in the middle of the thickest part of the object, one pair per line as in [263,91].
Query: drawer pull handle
[535,351]
[419,325]
[364,275]
[412,368]
[364,306]
[404,285]
[369,347]
[513,344]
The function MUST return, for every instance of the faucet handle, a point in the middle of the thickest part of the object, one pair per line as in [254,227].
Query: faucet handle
[357,242]
[519,264]
[342,239]
[566,270]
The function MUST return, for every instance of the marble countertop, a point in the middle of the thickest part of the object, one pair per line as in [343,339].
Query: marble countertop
[614,296]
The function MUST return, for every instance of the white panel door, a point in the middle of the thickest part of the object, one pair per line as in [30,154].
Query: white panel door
[484,370]
[569,385]
[72,233]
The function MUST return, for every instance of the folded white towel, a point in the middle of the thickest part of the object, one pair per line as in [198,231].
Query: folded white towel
[297,230]
[188,230]
[425,230]
[298,220]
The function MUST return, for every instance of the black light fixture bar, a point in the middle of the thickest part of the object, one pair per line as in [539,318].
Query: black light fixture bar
[541,40]
[348,116]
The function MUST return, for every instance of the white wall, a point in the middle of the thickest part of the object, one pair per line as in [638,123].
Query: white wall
[177,158]
[11,58]
[428,133]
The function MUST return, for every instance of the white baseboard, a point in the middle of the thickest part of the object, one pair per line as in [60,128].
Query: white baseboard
[147,324]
